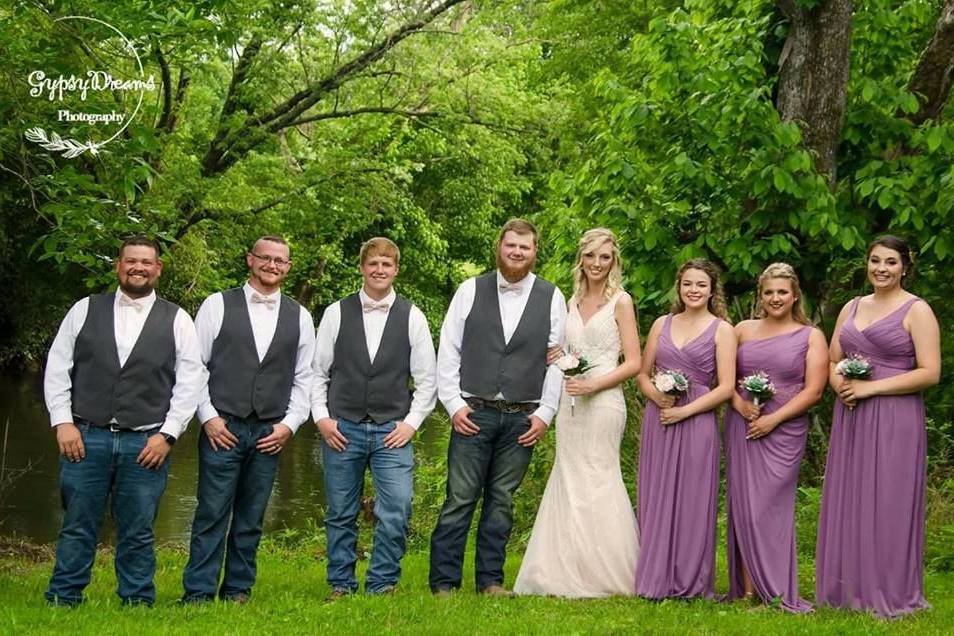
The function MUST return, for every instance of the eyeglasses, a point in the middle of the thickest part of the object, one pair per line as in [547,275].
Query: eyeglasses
[277,260]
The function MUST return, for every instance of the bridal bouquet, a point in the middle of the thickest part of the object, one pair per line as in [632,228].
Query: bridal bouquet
[854,367]
[572,364]
[759,386]
[671,382]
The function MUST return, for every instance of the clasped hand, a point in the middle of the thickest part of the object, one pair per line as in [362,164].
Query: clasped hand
[673,415]
[850,391]
[761,426]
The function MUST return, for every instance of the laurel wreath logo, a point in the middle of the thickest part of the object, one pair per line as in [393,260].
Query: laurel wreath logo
[54,143]
[71,147]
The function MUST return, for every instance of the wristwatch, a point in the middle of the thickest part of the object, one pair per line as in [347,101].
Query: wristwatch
[170,440]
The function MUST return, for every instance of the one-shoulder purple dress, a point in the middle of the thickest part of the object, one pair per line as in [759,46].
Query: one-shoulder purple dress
[871,529]
[679,481]
[762,475]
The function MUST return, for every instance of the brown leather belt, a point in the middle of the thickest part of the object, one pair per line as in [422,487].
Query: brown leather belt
[502,405]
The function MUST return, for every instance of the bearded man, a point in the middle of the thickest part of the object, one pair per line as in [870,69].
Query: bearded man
[494,381]
[122,382]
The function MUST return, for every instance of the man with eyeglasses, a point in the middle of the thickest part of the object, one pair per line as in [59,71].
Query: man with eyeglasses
[121,385]
[257,344]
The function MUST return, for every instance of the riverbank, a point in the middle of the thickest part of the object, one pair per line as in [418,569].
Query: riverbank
[291,594]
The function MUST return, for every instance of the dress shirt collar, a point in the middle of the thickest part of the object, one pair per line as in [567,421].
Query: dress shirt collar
[389,299]
[146,301]
[525,283]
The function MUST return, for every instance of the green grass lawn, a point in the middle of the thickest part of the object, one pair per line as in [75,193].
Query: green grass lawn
[290,597]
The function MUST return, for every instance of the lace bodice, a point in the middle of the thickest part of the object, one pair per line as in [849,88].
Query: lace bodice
[598,341]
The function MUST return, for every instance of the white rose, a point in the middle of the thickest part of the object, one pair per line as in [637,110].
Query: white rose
[568,362]
[664,382]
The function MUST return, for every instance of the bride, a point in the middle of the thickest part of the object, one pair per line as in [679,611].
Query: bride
[584,542]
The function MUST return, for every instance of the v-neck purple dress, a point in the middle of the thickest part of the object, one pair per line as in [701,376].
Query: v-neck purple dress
[871,529]
[762,475]
[678,486]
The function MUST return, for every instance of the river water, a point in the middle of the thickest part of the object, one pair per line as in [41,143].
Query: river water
[30,504]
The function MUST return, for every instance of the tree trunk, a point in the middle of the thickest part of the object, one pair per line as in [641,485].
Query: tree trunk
[813,76]
[932,78]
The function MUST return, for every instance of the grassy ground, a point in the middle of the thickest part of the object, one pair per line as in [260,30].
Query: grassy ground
[291,592]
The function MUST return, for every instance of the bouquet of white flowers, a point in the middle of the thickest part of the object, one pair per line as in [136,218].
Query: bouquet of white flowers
[671,382]
[854,367]
[572,364]
[759,386]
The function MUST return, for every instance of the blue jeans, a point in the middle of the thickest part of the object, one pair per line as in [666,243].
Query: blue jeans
[490,464]
[109,470]
[234,484]
[392,472]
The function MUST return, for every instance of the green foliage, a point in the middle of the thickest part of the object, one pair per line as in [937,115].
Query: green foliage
[290,595]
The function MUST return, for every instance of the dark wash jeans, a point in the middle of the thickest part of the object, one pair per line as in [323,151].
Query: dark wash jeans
[491,465]
[392,470]
[109,470]
[234,484]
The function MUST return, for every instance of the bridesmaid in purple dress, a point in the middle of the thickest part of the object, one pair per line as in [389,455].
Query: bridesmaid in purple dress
[765,443]
[871,529]
[679,451]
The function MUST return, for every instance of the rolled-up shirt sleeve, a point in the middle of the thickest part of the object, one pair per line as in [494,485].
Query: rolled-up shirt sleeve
[57,382]
[448,351]
[299,401]
[324,357]
[208,323]
[191,376]
[423,369]
[553,382]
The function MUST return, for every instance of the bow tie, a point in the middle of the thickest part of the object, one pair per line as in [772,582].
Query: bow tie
[262,300]
[513,288]
[369,306]
[126,301]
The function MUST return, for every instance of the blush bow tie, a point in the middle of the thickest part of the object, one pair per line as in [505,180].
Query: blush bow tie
[513,288]
[262,300]
[369,306]
[126,301]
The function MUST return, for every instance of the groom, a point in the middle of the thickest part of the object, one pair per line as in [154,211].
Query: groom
[495,384]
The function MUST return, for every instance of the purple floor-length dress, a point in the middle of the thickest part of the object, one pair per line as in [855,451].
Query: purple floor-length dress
[871,528]
[762,475]
[679,481]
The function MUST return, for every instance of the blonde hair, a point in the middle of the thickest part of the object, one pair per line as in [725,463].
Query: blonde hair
[380,246]
[716,304]
[591,240]
[786,271]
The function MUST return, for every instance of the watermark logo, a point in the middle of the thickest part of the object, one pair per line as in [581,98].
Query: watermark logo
[76,95]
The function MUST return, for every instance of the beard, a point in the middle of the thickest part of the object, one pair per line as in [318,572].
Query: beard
[136,291]
[513,274]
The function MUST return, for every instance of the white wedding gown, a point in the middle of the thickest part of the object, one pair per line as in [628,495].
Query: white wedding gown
[584,542]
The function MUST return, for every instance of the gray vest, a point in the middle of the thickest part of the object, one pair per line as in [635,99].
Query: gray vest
[239,384]
[136,394]
[360,389]
[488,365]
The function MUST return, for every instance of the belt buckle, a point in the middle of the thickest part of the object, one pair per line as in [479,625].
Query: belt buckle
[113,428]
[509,407]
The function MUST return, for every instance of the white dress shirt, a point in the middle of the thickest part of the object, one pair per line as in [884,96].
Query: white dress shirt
[127,325]
[423,363]
[264,321]
[511,309]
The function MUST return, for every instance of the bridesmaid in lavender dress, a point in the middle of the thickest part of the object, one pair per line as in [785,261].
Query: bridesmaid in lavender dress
[871,529]
[679,451]
[765,443]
